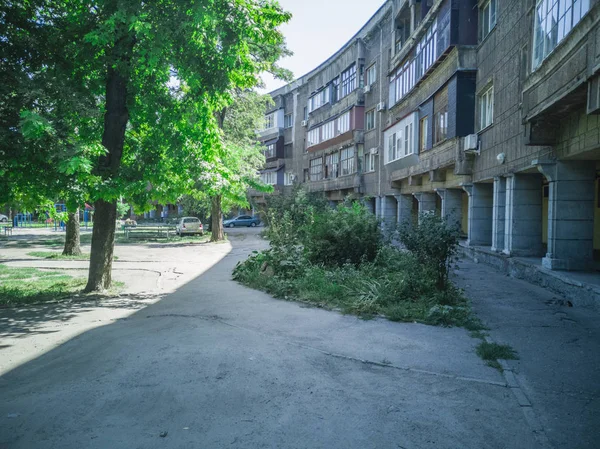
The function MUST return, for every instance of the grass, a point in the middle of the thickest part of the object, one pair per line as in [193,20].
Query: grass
[51,255]
[23,285]
[492,352]
[26,285]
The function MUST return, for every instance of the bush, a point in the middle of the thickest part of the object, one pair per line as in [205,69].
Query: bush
[433,242]
[336,258]
[348,234]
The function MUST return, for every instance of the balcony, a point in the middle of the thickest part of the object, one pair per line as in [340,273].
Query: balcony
[351,181]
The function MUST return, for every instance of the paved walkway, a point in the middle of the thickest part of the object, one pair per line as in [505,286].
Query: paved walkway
[214,364]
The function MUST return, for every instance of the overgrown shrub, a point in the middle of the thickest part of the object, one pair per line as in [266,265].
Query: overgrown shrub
[433,242]
[347,234]
[337,258]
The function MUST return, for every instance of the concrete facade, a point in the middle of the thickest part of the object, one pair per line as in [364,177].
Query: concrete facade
[452,96]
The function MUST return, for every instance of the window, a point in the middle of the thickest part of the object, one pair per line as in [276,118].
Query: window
[408,140]
[305,113]
[319,99]
[361,76]
[332,162]
[554,19]
[347,161]
[487,17]
[269,178]
[370,119]
[486,108]
[269,121]
[440,116]
[288,178]
[400,139]
[287,121]
[335,90]
[343,123]
[423,133]
[270,151]
[369,162]
[312,137]
[327,130]
[371,75]
[316,169]
[391,155]
[348,80]
[413,69]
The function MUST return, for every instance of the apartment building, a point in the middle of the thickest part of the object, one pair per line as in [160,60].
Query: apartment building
[484,112]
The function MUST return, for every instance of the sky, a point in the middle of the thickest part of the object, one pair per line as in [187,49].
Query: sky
[318,29]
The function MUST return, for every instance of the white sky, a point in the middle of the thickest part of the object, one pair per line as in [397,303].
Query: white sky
[318,29]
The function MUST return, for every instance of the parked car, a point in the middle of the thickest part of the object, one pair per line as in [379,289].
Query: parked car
[242,220]
[189,225]
[3,218]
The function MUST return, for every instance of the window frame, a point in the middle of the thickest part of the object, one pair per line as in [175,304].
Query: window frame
[423,133]
[347,161]
[567,20]
[369,164]
[440,115]
[288,178]
[288,120]
[270,120]
[315,171]
[372,114]
[266,178]
[491,15]
[486,106]
[348,81]
[371,74]
[270,151]
[332,165]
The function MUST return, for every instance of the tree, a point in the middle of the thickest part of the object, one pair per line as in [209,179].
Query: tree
[158,71]
[241,156]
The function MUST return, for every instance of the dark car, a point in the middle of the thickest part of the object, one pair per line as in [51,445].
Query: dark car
[242,220]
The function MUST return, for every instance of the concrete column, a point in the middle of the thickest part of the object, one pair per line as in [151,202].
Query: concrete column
[378,207]
[498,214]
[389,210]
[570,215]
[426,202]
[480,214]
[451,205]
[523,215]
[404,208]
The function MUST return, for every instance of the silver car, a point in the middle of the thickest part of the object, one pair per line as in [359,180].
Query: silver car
[3,218]
[189,225]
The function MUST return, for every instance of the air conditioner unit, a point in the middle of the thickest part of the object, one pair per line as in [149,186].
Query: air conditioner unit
[380,106]
[367,88]
[374,151]
[304,122]
[471,144]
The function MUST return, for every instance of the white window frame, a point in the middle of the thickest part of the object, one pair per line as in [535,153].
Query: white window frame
[372,74]
[269,178]
[288,120]
[370,124]
[343,123]
[399,140]
[288,178]
[270,121]
[332,162]
[487,17]
[328,131]
[313,137]
[553,21]
[486,108]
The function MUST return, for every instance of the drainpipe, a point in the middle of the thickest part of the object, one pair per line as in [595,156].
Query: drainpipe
[380,152]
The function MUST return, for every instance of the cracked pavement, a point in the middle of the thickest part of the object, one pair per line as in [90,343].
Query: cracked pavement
[202,362]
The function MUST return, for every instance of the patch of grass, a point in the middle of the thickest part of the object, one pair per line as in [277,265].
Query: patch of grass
[23,285]
[492,352]
[59,256]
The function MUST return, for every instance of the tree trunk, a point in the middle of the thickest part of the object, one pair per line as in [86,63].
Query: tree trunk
[72,240]
[113,139]
[103,244]
[216,225]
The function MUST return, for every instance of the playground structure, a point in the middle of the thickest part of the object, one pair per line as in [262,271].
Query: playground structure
[25,219]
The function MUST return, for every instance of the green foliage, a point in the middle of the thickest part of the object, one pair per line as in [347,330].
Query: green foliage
[433,242]
[336,258]
[122,209]
[347,234]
